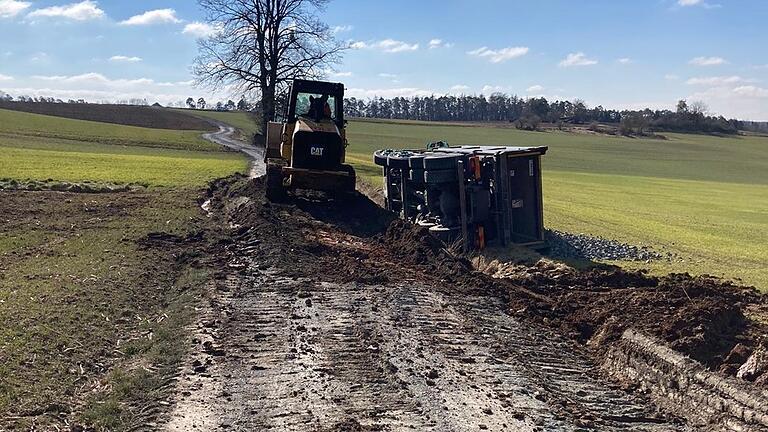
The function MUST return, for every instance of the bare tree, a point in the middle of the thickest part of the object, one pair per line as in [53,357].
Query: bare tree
[260,45]
[699,107]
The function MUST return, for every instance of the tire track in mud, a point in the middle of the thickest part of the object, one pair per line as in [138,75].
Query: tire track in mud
[306,355]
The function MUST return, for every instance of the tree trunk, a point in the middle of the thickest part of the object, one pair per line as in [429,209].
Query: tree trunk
[267,113]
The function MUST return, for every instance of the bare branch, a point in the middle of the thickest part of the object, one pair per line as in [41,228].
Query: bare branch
[262,44]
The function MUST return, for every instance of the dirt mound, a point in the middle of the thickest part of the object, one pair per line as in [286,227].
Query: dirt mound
[142,116]
[304,231]
[702,317]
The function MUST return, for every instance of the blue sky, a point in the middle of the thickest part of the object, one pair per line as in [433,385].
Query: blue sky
[619,54]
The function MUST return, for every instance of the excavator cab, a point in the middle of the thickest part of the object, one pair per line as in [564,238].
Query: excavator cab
[308,150]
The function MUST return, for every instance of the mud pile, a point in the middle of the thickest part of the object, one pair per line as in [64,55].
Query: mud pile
[357,241]
[702,317]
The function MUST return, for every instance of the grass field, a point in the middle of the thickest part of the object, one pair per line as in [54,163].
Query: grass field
[14,123]
[129,115]
[703,198]
[37,147]
[93,315]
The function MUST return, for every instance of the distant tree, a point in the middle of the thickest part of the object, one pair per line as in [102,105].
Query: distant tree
[191,103]
[242,105]
[201,103]
[219,106]
[230,105]
[682,106]
[699,107]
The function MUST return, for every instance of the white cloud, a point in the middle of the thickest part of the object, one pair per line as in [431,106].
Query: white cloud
[388,93]
[95,79]
[439,43]
[11,8]
[386,45]
[199,30]
[158,16]
[751,92]
[686,3]
[708,61]
[488,89]
[535,89]
[459,88]
[124,59]
[337,74]
[5,78]
[716,80]
[39,57]
[624,60]
[388,75]
[743,102]
[577,59]
[83,11]
[341,28]
[96,87]
[394,46]
[500,55]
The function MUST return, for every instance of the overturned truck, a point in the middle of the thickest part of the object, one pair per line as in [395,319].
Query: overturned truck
[476,195]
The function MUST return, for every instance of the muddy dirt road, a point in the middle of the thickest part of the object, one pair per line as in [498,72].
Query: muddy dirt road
[313,327]
[225,136]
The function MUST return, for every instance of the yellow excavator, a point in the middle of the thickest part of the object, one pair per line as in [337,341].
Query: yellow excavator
[308,149]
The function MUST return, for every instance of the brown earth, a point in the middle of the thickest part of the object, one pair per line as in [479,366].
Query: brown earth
[331,316]
[324,315]
[711,320]
[128,115]
[94,290]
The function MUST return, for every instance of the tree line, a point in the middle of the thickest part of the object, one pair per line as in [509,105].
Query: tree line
[530,113]
[191,103]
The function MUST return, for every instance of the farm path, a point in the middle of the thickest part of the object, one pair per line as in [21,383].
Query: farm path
[225,136]
[313,327]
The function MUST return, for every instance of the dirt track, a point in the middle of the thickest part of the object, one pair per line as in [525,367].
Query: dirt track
[225,137]
[312,327]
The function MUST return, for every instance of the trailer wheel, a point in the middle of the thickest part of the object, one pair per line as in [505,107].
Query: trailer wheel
[440,176]
[401,162]
[275,190]
[379,159]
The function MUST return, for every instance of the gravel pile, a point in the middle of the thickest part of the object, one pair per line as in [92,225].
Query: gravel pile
[582,246]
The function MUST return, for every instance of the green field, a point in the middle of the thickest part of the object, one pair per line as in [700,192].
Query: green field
[15,123]
[241,120]
[37,147]
[703,198]
[93,319]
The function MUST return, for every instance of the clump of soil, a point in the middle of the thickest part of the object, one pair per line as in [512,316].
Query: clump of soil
[415,245]
[60,186]
[703,317]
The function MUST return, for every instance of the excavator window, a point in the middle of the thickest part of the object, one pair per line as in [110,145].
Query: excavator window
[316,106]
